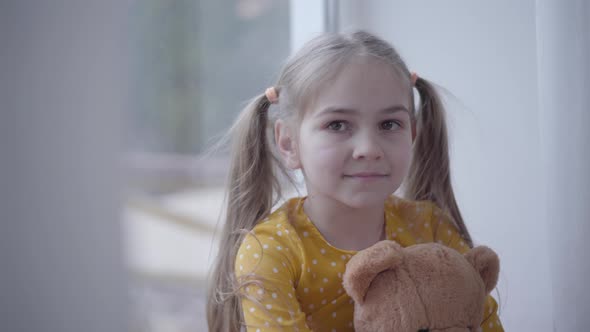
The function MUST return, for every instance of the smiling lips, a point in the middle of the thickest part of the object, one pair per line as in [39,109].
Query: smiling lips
[366,175]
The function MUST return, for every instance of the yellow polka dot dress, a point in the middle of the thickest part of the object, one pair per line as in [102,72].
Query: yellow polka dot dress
[294,276]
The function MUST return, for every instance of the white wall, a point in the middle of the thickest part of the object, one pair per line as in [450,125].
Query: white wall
[62,92]
[563,48]
[485,54]
[306,22]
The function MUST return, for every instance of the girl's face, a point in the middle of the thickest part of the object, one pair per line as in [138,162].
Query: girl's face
[354,145]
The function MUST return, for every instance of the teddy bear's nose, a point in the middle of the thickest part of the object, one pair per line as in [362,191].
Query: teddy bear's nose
[423,330]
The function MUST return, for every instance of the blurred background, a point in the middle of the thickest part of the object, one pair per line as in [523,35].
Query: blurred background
[109,203]
[193,65]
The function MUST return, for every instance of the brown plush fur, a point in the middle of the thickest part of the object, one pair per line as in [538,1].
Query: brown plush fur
[421,287]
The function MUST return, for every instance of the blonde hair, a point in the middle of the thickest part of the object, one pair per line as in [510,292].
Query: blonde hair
[256,172]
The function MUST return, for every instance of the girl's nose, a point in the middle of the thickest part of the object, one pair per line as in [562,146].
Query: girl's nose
[367,147]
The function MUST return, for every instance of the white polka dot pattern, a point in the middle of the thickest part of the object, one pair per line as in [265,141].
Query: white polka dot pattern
[303,272]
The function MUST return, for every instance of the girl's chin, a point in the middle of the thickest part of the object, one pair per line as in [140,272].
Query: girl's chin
[364,200]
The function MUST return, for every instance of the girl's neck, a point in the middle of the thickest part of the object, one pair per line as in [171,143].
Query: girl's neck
[345,227]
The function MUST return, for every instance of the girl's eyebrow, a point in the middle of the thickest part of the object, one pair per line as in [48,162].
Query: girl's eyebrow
[340,110]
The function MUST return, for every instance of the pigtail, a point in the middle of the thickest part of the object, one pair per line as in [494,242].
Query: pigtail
[430,174]
[250,190]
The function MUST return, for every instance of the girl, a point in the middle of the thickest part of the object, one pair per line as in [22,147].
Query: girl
[343,113]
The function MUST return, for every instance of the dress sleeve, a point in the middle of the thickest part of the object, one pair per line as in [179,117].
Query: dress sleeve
[445,232]
[491,321]
[266,268]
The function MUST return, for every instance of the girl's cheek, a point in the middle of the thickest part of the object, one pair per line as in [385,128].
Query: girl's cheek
[335,137]
[322,141]
[323,156]
[402,160]
[324,153]
[401,150]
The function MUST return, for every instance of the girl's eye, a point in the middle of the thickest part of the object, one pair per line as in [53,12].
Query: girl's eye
[389,125]
[337,125]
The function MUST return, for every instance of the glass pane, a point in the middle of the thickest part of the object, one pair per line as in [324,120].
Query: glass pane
[195,65]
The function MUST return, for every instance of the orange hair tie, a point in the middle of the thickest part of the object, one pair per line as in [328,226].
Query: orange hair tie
[413,77]
[271,95]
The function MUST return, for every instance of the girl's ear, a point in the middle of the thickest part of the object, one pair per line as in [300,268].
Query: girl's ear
[287,145]
[367,264]
[413,130]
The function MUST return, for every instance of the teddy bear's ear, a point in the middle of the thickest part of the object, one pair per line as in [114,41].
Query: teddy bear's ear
[486,263]
[366,264]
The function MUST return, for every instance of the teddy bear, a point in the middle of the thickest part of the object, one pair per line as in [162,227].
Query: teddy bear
[423,287]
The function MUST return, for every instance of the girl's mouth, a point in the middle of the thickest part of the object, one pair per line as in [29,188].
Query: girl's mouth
[366,175]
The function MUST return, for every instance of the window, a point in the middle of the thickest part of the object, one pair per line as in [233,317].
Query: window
[195,64]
